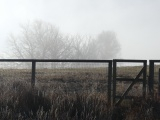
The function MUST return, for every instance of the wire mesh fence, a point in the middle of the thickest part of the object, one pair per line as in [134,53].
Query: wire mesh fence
[73,77]
[129,79]
[58,76]
[127,71]
[156,72]
[76,76]
[15,71]
[154,78]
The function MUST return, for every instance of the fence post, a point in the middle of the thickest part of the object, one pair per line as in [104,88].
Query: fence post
[114,80]
[151,78]
[144,78]
[159,83]
[33,73]
[109,81]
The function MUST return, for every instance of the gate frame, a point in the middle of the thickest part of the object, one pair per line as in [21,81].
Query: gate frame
[115,79]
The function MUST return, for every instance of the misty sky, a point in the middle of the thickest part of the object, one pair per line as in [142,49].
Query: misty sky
[136,22]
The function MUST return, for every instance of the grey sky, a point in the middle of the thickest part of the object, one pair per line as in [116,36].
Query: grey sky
[136,22]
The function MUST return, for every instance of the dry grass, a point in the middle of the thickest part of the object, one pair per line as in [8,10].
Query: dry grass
[74,94]
[20,102]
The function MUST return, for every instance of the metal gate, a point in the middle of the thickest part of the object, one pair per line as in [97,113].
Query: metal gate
[139,78]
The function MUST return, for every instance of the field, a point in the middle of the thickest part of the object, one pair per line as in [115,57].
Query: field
[70,94]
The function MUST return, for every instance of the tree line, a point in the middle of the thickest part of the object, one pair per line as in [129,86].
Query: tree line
[42,40]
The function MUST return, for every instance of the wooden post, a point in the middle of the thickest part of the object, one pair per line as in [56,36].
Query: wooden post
[151,78]
[109,81]
[33,74]
[144,78]
[159,83]
[114,80]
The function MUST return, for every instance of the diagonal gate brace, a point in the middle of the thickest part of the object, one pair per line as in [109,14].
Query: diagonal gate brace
[129,88]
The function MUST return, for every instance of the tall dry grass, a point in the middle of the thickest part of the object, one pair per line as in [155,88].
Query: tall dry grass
[20,102]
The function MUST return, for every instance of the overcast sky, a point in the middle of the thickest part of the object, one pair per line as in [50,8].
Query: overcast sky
[136,22]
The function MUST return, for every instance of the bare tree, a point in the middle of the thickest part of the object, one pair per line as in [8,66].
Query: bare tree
[107,45]
[39,40]
[104,46]
[82,47]
[42,40]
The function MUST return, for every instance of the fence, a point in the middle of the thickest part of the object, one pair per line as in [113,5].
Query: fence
[130,77]
[154,77]
[80,73]
[66,75]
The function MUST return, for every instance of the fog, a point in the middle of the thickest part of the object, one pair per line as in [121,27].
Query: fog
[136,23]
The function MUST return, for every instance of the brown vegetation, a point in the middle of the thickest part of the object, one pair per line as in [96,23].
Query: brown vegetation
[73,94]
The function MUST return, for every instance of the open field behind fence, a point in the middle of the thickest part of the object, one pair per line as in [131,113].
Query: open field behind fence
[87,77]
